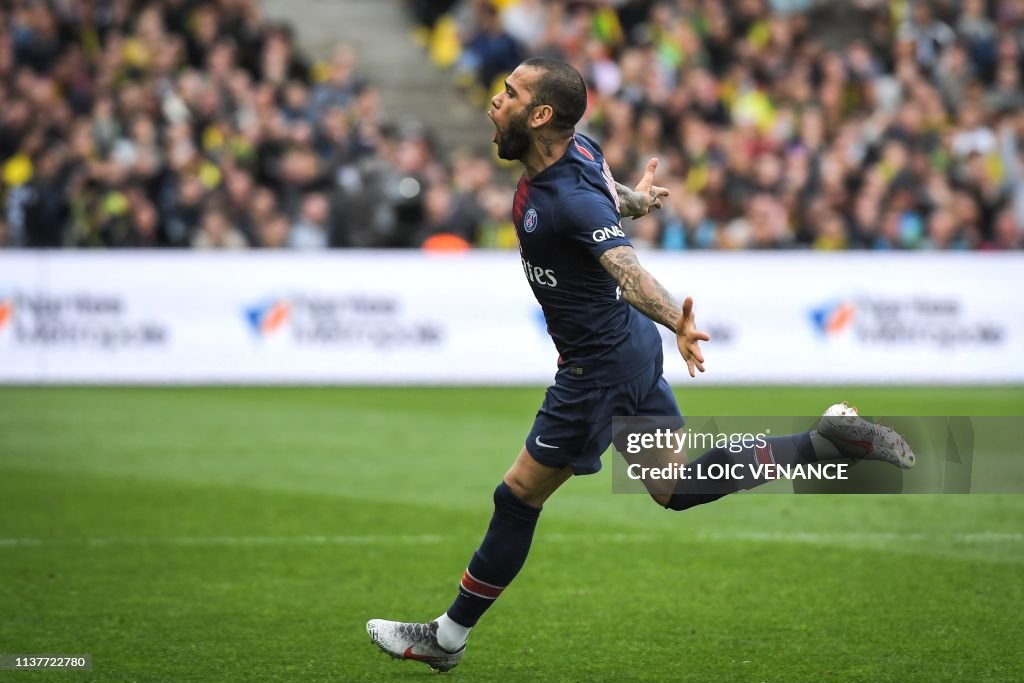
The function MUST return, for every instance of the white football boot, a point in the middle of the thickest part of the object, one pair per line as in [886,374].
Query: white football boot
[855,437]
[417,642]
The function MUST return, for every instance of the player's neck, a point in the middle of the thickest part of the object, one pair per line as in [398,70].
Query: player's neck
[545,149]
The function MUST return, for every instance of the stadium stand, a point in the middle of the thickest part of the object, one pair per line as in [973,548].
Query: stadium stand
[896,127]
[203,124]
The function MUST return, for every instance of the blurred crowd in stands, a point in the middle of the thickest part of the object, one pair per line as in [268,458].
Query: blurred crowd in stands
[784,123]
[779,123]
[176,123]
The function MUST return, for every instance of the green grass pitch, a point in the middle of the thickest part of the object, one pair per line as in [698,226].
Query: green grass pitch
[248,534]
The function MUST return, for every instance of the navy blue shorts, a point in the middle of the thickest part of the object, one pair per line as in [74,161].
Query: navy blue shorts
[574,425]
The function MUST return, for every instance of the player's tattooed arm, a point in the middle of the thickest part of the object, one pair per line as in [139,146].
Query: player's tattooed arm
[639,287]
[639,202]
[631,202]
[647,295]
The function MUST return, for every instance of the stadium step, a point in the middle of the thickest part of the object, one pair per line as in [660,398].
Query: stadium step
[410,87]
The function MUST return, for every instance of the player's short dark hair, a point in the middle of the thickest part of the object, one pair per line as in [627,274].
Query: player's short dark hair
[562,87]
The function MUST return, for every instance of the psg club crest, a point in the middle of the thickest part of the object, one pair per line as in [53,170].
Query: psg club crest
[530,220]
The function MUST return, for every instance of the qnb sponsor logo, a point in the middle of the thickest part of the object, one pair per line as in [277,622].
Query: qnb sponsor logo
[538,275]
[345,321]
[76,319]
[602,234]
[920,320]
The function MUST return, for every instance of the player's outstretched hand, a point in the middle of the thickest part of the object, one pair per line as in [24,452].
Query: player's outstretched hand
[688,338]
[652,194]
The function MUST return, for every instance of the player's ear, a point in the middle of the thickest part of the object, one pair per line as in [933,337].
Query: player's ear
[541,115]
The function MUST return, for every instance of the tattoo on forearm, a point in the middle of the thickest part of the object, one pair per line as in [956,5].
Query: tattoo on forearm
[639,287]
[631,202]
[547,142]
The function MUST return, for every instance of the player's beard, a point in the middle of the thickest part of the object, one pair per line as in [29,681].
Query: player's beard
[515,139]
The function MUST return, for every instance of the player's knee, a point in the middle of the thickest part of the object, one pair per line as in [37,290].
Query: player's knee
[507,498]
[662,499]
[516,485]
[679,503]
[527,486]
[684,501]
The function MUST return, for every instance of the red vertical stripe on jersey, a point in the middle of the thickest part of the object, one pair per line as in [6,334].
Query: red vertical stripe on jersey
[519,203]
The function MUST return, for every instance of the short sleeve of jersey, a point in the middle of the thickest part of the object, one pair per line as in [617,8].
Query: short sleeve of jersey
[590,219]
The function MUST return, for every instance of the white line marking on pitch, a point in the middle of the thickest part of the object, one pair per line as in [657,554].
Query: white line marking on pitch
[372,539]
[807,537]
[858,538]
[368,539]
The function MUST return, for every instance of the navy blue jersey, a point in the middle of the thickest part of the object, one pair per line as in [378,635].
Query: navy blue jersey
[566,218]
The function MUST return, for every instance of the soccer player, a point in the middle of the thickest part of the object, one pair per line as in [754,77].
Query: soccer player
[599,303]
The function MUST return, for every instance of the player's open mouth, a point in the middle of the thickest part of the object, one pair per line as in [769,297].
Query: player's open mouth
[490,115]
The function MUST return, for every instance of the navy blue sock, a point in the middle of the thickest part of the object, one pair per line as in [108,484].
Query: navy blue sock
[498,559]
[785,450]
